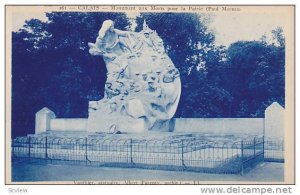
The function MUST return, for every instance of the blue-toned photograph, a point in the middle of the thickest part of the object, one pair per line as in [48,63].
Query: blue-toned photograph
[135,97]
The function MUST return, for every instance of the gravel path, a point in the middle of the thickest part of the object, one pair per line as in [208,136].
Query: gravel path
[25,171]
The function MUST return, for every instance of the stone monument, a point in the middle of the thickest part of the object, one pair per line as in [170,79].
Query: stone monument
[274,121]
[43,119]
[143,86]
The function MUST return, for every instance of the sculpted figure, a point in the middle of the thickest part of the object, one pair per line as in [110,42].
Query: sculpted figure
[110,41]
[114,45]
[143,86]
[145,43]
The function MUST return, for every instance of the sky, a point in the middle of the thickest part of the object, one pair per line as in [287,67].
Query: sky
[232,27]
[228,28]
[18,19]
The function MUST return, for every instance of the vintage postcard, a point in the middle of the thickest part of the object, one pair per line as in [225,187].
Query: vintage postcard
[150,94]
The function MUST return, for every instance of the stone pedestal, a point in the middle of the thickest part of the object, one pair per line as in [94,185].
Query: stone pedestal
[42,120]
[274,121]
[112,122]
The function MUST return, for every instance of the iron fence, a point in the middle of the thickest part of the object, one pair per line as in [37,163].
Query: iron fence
[189,154]
[274,150]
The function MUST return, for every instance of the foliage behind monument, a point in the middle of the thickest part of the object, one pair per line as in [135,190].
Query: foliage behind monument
[51,67]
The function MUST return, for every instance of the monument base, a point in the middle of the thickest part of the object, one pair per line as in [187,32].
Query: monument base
[113,124]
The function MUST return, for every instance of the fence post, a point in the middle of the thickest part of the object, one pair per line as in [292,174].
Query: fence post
[254,145]
[13,148]
[29,140]
[182,152]
[242,157]
[46,148]
[131,158]
[86,150]
[263,147]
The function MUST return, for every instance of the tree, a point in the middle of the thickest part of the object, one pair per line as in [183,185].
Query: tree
[51,66]
[191,47]
[278,37]
[255,77]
